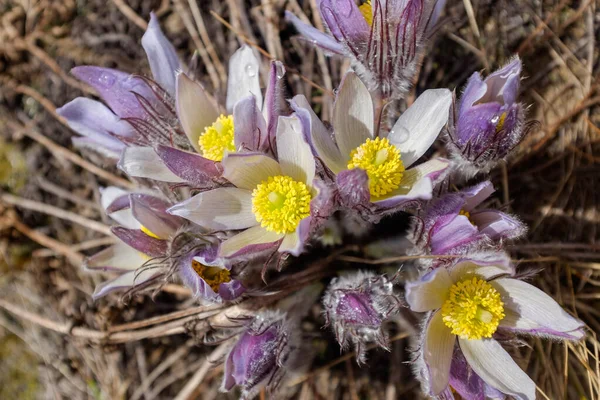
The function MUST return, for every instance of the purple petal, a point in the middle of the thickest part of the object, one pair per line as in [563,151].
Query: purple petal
[275,103]
[231,290]
[151,212]
[474,91]
[497,225]
[475,195]
[345,21]
[141,242]
[250,126]
[353,188]
[464,380]
[190,167]
[503,85]
[315,36]
[459,232]
[161,54]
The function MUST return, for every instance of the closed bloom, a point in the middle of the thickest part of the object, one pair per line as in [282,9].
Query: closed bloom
[384,39]
[468,304]
[371,170]
[260,356]
[356,306]
[489,123]
[270,202]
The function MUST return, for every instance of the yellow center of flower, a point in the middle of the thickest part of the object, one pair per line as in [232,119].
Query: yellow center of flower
[367,11]
[280,203]
[148,232]
[500,123]
[213,276]
[473,309]
[217,138]
[381,161]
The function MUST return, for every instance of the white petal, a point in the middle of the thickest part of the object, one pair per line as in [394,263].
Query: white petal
[487,272]
[125,281]
[352,114]
[243,78]
[195,108]
[118,257]
[497,368]
[124,217]
[161,54]
[255,236]
[295,158]
[219,209]
[246,171]
[419,126]
[143,162]
[289,243]
[430,291]
[531,310]
[437,353]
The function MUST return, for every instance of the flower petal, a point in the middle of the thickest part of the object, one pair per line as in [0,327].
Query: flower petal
[161,54]
[430,291]
[152,213]
[530,310]
[124,216]
[231,290]
[315,36]
[497,368]
[295,157]
[293,243]
[141,242]
[250,126]
[275,102]
[247,170]
[475,195]
[219,209]
[125,281]
[190,167]
[352,114]
[143,162]
[118,257]
[251,240]
[353,188]
[345,21]
[437,353]
[243,77]
[458,233]
[419,126]
[497,225]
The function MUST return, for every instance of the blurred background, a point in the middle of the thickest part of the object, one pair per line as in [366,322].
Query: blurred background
[53,340]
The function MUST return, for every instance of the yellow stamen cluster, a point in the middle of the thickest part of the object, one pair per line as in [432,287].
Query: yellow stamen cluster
[280,203]
[381,160]
[500,123]
[473,309]
[148,232]
[367,11]
[213,276]
[217,138]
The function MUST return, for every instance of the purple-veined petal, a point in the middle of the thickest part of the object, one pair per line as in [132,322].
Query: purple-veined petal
[438,347]
[190,167]
[419,126]
[125,281]
[353,116]
[247,170]
[251,240]
[161,55]
[497,225]
[144,162]
[243,77]
[117,257]
[459,232]
[530,310]
[250,126]
[295,157]
[475,195]
[315,36]
[124,216]
[345,21]
[151,212]
[497,368]
[275,102]
[430,291]
[195,108]
[502,85]
[219,209]
[141,242]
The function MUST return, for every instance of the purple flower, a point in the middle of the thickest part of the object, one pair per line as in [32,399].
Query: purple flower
[489,123]
[383,39]
[356,307]
[468,304]
[260,356]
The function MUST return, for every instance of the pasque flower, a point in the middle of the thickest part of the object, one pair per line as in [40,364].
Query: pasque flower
[384,39]
[468,304]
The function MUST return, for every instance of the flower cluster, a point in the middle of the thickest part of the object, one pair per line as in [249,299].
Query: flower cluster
[226,192]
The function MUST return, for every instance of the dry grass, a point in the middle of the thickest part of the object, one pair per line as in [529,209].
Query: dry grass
[75,348]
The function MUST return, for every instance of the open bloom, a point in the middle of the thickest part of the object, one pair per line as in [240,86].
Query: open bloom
[468,304]
[373,171]
[452,224]
[270,202]
[384,39]
[489,123]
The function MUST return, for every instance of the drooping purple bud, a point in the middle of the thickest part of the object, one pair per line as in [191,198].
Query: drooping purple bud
[356,307]
[260,356]
[490,121]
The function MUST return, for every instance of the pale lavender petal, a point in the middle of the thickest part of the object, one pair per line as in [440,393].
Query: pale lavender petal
[459,232]
[243,77]
[125,281]
[116,203]
[438,347]
[430,291]
[143,243]
[251,240]
[276,104]
[161,54]
[144,162]
[503,84]
[475,195]
[151,212]
[118,257]
[295,157]
[315,36]
[345,21]
[497,225]
[474,91]
[250,126]
[190,167]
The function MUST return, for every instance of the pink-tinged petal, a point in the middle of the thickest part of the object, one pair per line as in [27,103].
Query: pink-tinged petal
[144,162]
[293,243]
[459,232]
[420,125]
[191,167]
[497,225]
[112,194]
[497,368]
[243,77]
[118,257]
[219,209]
[125,282]
[140,241]
[250,126]
[276,104]
[530,310]
[295,157]
[437,353]
[195,108]
[477,194]
[353,115]
[247,170]
[430,291]
[317,135]
[315,36]
[251,240]
[152,213]
[161,55]
[345,21]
